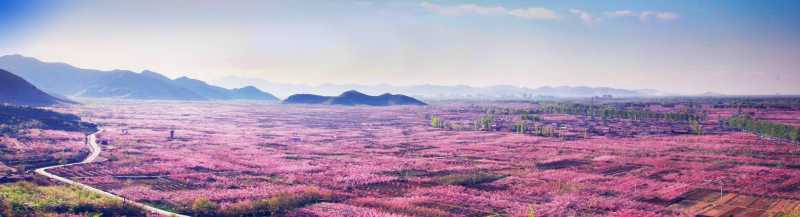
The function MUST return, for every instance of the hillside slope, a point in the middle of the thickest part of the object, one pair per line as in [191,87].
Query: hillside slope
[64,79]
[352,97]
[218,93]
[440,92]
[16,91]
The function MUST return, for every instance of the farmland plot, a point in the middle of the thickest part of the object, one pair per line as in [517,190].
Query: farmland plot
[389,161]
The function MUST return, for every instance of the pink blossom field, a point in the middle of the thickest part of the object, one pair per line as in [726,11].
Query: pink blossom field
[35,148]
[390,161]
[790,117]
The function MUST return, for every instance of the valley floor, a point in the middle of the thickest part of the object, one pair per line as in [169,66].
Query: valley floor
[240,158]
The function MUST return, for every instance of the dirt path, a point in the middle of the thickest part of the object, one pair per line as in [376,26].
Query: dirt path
[95,152]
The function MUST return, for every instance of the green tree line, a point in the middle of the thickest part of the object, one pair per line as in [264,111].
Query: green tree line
[766,128]
[600,111]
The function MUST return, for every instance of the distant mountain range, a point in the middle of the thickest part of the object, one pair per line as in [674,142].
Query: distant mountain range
[66,80]
[60,79]
[353,97]
[16,91]
[440,92]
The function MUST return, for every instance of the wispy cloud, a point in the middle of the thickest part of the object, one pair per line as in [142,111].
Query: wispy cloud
[538,13]
[658,15]
[463,9]
[645,16]
[621,13]
[583,15]
[532,13]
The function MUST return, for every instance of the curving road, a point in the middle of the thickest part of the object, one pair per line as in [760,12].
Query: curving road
[95,151]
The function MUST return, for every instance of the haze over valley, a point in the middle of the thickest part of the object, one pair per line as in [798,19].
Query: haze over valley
[399,108]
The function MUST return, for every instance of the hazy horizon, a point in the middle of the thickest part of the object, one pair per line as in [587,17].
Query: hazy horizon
[399,108]
[682,47]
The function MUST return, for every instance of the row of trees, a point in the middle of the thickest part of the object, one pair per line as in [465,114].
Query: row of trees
[606,112]
[483,123]
[523,126]
[766,128]
[602,111]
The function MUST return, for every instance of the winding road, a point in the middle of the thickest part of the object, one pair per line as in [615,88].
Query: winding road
[91,140]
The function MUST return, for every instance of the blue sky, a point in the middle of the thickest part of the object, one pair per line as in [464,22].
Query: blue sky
[738,47]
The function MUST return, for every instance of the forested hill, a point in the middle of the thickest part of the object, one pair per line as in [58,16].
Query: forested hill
[16,118]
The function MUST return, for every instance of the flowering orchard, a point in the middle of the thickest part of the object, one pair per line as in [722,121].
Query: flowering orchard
[389,161]
[34,148]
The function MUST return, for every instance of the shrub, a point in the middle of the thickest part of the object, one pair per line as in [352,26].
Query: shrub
[469,179]
[790,214]
[534,118]
[241,209]
[437,122]
[520,127]
[204,207]
[400,207]
[26,199]
[484,122]
[696,127]
[278,204]
[284,202]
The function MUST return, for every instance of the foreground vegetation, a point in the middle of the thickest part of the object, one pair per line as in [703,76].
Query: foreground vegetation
[27,199]
[277,205]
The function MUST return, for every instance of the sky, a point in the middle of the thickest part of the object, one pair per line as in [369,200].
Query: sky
[678,46]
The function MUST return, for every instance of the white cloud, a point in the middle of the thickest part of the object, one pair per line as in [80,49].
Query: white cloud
[538,13]
[467,9]
[645,16]
[463,9]
[583,15]
[621,13]
[534,13]
[659,15]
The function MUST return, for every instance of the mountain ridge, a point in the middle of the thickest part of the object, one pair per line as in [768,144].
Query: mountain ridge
[352,98]
[67,80]
[441,92]
[17,91]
